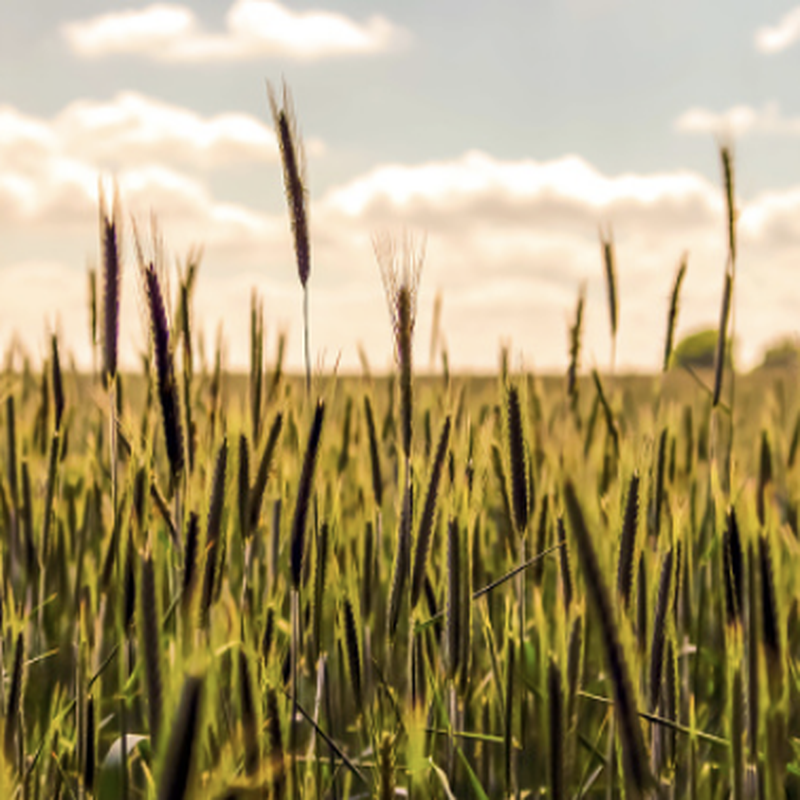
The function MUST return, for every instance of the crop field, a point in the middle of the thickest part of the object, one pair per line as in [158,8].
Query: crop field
[323,586]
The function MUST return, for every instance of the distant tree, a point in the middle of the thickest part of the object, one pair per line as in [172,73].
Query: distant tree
[698,350]
[782,354]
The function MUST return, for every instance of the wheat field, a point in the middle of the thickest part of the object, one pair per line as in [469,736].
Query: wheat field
[438,586]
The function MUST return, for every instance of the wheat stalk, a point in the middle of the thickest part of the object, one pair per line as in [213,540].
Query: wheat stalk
[178,766]
[635,756]
[425,530]
[672,317]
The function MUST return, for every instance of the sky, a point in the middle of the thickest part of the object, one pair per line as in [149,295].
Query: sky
[504,136]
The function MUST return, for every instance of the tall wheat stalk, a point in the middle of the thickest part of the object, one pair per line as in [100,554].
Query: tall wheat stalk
[296,187]
[112,277]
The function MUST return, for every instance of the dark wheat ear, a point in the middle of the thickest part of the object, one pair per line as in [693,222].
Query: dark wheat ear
[256,363]
[277,371]
[160,502]
[50,492]
[591,424]
[214,531]
[243,487]
[249,718]
[165,370]
[541,538]
[517,460]
[353,652]
[672,317]
[660,631]
[764,477]
[566,569]
[453,617]
[404,338]
[12,721]
[11,451]
[753,660]
[91,277]
[726,157]
[658,491]
[575,334]
[260,484]
[31,563]
[347,426]
[129,585]
[794,442]
[733,566]
[574,664]
[268,636]
[304,495]
[190,559]
[770,630]
[374,454]
[89,747]
[719,358]
[400,273]
[58,383]
[611,424]
[368,567]
[294,176]
[112,276]
[425,531]
[176,775]
[500,476]
[641,604]
[610,265]
[276,755]
[185,334]
[627,542]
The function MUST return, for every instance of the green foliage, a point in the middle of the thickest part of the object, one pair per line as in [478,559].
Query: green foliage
[783,354]
[240,738]
[697,350]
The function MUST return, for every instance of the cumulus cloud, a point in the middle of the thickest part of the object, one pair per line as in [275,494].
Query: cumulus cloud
[478,193]
[739,121]
[160,154]
[771,39]
[132,128]
[254,29]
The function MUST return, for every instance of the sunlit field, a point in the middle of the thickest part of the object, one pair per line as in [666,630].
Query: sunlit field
[440,586]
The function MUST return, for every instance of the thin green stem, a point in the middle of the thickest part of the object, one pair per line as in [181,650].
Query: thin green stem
[307,340]
[294,654]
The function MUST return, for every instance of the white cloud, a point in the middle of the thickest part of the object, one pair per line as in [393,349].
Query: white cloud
[49,168]
[739,121]
[254,29]
[134,129]
[488,194]
[776,38]
[772,220]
